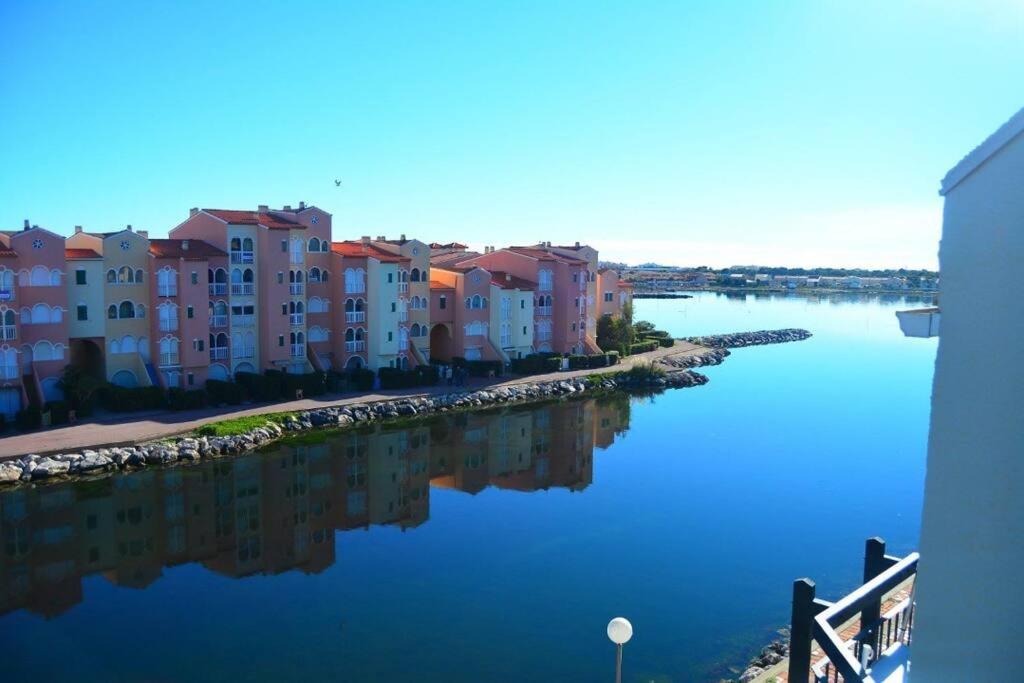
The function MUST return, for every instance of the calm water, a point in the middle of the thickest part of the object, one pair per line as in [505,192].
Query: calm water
[495,547]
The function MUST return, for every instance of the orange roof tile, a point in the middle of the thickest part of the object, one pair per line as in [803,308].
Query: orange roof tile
[267,220]
[197,250]
[434,284]
[72,254]
[358,249]
[543,255]
[506,281]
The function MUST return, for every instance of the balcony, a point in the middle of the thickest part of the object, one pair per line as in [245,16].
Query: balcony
[169,360]
[864,637]
[218,289]
[9,371]
[243,289]
[403,316]
[919,322]
[297,319]
[403,287]
[245,352]
[8,332]
[355,287]
[218,321]
[243,320]
[543,310]
[167,290]
[296,289]
[168,324]
[355,346]
[241,257]
[355,316]
[298,350]
[218,353]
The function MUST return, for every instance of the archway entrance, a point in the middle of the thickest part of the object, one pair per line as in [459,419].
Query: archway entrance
[88,355]
[441,342]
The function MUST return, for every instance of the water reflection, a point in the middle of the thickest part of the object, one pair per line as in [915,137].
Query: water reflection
[829,296]
[279,511]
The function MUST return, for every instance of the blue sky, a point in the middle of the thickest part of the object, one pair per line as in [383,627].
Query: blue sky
[715,133]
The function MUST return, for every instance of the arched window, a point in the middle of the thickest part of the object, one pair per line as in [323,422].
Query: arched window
[350,335]
[111,276]
[247,276]
[8,317]
[414,275]
[55,278]
[126,310]
[247,244]
[314,273]
[40,314]
[166,282]
[236,244]
[169,351]
[475,328]
[296,250]
[403,339]
[168,314]
[39,276]
[236,276]
[360,305]
[314,244]
[484,302]
[325,276]
[545,280]
[360,334]
[469,302]
[140,311]
[325,246]
[6,281]
[139,277]
[414,331]
[477,301]
[44,350]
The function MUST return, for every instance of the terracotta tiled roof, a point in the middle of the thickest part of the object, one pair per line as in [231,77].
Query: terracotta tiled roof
[267,220]
[434,284]
[449,245]
[623,283]
[356,249]
[7,251]
[452,258]
[543,255]
[72,254]
[506,281]
[197,250]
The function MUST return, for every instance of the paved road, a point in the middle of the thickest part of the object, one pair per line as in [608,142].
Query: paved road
[131,428]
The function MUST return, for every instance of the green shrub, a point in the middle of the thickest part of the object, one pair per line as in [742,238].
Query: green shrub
[361,379]
[667,343]
[642,347]
[396,378]
[484,368]
[128,399]
[180,399]
[613,357]
[336,383]
[28,419]
[428,375]
[597,360]
[58,412]
[260,387]
[220,392]
[656,334]
[552,364]
[577,362]
[310,384]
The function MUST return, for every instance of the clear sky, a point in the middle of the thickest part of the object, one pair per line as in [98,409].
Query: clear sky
[784,133]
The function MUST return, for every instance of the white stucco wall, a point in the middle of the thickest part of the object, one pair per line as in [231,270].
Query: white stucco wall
[971,586]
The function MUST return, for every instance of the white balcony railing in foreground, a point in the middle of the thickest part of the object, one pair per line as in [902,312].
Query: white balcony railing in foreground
[218,289]
[218,321]
[355,316]
[8,332]
[241,257]
[298,350]
[218,353]
[355,346]
[243,289]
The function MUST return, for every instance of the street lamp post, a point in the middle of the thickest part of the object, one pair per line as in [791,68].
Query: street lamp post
[619,632]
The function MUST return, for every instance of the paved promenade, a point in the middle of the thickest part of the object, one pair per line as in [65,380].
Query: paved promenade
[131,428]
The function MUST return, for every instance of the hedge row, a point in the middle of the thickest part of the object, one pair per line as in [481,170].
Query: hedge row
[535,364]
[596,360]
[479,368]
[396,378]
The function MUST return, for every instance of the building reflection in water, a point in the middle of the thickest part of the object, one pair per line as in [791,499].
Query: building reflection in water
[279,511]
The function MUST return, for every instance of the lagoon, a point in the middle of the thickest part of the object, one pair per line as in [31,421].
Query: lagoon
[496,546]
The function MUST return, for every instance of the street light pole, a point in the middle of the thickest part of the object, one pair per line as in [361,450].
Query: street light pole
[619,632]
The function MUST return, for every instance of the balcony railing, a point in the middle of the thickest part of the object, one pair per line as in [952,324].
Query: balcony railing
[881,646]
[403,316]
[8,371]
[297,319]
[218,289]
[168,324]
[403,287]
[169,359]
[241,257]
[245,352]
[218,321]
[244,289]
[543,310]
[298,350]
[355,287]
[167,290]
[218,353]
[8,332]
[296,289]
[355,346]
[243,320]
[355,316]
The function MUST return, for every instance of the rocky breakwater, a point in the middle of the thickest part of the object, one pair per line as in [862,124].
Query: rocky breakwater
[738,340]
[770,655]
[184,450]
[687,361]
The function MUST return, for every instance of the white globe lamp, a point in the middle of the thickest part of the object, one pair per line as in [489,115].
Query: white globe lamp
[619,632]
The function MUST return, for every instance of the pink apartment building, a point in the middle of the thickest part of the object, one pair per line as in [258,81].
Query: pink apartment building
[462,328]
[613,293]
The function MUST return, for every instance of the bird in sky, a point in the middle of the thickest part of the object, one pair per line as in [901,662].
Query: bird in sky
[337,183]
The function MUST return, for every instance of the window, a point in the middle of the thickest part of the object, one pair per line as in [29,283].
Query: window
[280,278]
[522,304]
[393,307]
[391,277]
[280,340]
[189,313]
[609,297]
[577,302]
[390,336]
[284,246]
[442,302]
[191,379]
[575,277]
[79,277]
[195,281]
[82,310]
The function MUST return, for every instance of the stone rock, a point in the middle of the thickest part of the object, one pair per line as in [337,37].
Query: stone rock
[9,472]
[94,461]
[50,467]
[750,674]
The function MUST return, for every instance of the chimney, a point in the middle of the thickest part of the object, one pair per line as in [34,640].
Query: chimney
[27,226]
[287,207]
[143,233]
[403,236]
[193,211]
[129,227]
[365,239]
[508,277]
[78,229]
[302,205]
[577,244]
[184,245]
[263,208]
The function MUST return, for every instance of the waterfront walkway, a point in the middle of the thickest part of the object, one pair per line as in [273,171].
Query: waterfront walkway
[130,428]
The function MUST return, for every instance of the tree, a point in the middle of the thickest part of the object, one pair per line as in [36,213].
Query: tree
[613,334]
[627,312]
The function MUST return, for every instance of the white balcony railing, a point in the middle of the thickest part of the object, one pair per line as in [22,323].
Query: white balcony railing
[167,290]
[355,346]
[355,316]
[8,371]
[296,258]
[8,332]
[241,257]
[403,287]
[218,353]
[403,316]
[218,289]
[243,320]
[298,350]
[245,352]
[543,310]
[297,319]
[243,289]
[355,287]
[218,321]
[296,288]
[168,324]
[169,359]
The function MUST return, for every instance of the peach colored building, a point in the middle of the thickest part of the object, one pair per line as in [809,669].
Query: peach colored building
[613,293]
